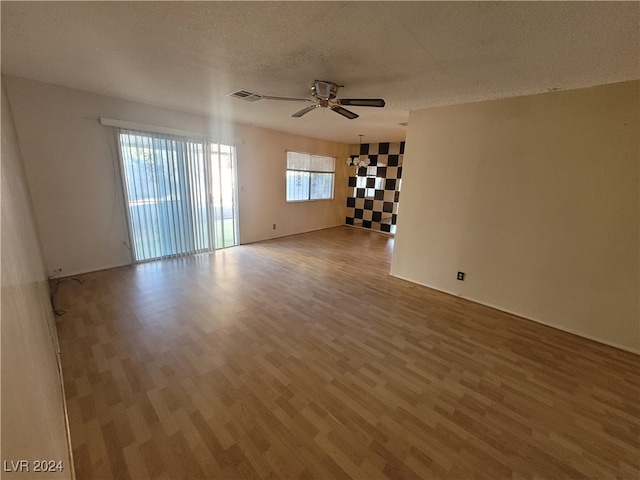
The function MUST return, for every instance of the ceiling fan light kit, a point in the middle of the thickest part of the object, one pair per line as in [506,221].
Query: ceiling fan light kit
[324,95]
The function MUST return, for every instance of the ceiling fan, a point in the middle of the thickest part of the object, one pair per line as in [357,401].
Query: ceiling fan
[324,95]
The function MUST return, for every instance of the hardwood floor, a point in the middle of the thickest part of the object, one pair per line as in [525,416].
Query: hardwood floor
[301,358]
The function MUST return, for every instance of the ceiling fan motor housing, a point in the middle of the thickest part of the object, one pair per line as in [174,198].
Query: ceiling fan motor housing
[324,90]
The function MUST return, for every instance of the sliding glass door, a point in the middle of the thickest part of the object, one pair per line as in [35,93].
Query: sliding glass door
[223,190]
[180,194]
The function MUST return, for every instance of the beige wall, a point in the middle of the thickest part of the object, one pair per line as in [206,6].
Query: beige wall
[33,419]
[262,163]
[537,199]
[71,165]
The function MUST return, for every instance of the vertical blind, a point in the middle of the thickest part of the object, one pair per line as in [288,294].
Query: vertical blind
[176,201]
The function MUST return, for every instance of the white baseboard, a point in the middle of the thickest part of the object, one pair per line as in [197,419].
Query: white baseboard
[75,273]
[518,314]
[388,234]
[293,233]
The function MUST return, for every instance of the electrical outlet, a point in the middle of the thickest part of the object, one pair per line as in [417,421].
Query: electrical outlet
[461,276]
[274,226]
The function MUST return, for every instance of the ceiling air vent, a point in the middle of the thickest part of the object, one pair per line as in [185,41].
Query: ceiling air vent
[246,96]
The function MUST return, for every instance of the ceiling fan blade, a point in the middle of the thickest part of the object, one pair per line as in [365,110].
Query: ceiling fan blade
[305,111]
[362,102]
[288,99]
[344,112]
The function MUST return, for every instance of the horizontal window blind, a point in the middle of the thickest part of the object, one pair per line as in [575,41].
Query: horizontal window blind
[309,177]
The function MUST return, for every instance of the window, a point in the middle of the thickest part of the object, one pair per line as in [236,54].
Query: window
[309,177]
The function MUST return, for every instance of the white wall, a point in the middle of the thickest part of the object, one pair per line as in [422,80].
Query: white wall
[71,165]
[33,416]
[537,199]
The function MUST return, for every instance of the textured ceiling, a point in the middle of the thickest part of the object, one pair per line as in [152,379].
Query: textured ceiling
[190,55]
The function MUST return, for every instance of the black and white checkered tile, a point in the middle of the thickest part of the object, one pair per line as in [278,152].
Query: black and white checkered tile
[375,190]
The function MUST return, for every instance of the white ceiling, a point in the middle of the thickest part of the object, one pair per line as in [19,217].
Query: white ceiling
[190,55]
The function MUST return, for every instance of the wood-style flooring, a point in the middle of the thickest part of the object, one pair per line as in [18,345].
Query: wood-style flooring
[301,358]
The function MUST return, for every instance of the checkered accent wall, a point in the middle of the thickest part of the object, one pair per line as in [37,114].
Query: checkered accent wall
[375,190]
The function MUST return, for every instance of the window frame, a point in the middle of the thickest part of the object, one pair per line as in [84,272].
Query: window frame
[310,172]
